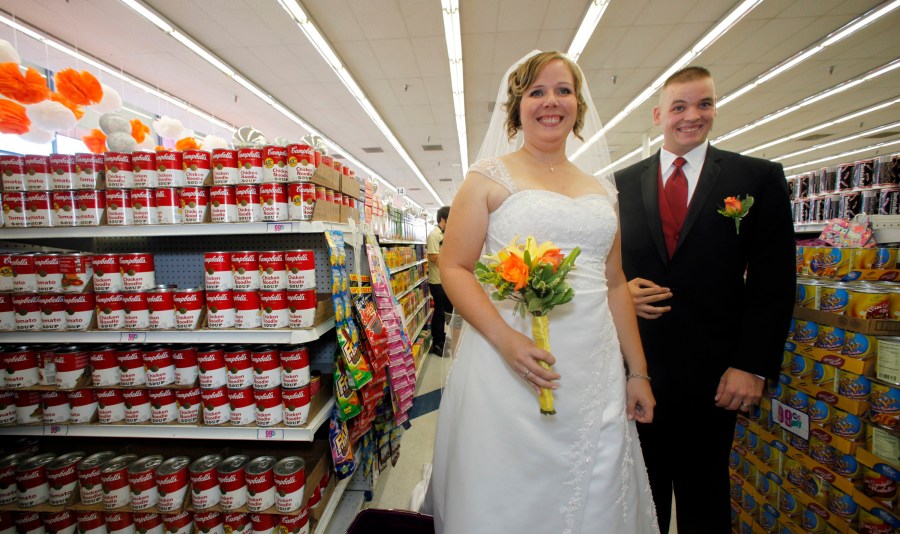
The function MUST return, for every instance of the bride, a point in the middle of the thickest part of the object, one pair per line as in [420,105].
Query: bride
[499,465]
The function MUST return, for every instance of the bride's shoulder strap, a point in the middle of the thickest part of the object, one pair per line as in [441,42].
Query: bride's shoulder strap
[494,169]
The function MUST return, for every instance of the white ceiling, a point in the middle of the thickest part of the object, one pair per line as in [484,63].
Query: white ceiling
[396,51]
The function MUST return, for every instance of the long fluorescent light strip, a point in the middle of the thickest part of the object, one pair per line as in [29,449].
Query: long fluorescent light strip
[586,28]
[450,12]
[833,142]
[299,16]
[844,154]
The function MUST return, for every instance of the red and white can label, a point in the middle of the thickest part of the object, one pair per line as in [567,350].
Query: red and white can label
[296,405]
[13,171]
[250,166]
[268,406]
[131,366]
[209,522]
[110,405]
[238,523]
[71,365]
[7,417]
[266,368]
[172,483]
[119,172]
[31,480]
[89,169]
[65,522]
[302,306]
[163,406]
[272,270]
[47,367]
[142,479]
[168,205]
[264,523]
[245,270]
[261,490]
[137,405]
[6,272]
[114,479]
[91,522]
[302,201]
[204,483]
[143,206]
[194,204]
[247,312]
[119,522]
[273,201]
[91,204]
[104,367]
[159,366]
[28,407]
[197,166]
[225,167]
[240,402]
[49,279]
[274,164]
[219,309]
[162,309]
[138,273]
[62,167]
[107,273]
[222,204]
[185,358]
[180,523]
[301,163]
[170,168]
[77,270]
[40,212]
[294,367]
[15,208]
[90,486]
[240,372]
[296,524]
[110,311]
[119,211]
[216,409]
[7,317]
[137,310]
[233,487]
[290,481]
[301,269]
[188,405]
[37,172]
[211,364]
[24,273]
[27,308]
[79,310]
[274,309]
[217,271]
[64,205]
[246,197]
[63,477]
[148,523]
[82,408]
[188,308]
[55,405]
[143,166]
[53,311]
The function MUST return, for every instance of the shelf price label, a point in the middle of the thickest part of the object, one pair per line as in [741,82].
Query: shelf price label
[792,420]
[133,337]
[269,433]
[56,430]
[279,227]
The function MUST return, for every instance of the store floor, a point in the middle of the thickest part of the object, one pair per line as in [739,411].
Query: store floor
[395,485]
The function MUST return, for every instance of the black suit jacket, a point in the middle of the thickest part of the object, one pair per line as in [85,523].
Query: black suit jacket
[718,319]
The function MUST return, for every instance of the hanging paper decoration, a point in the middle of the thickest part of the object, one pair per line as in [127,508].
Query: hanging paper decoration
[168,128]
[95,141]
[110,102]
[248,137]
[81,88]
[186,143]
[212,142]
[37,136]
[139,130]
[8,53]
[13,119]
[51,116]
[73,107]
[121,142]
[28,88]
[113,122]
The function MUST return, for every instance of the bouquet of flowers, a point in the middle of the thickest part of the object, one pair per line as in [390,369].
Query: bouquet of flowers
[534,276]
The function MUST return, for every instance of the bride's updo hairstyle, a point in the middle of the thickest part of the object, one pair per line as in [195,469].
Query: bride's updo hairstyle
[524,75]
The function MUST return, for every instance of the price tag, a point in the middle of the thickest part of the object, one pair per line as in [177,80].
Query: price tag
[794,421]
[269,433]
[56,430]
[133,337]
[278,227]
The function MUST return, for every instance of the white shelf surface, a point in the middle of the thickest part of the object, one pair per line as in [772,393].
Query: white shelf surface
[230,335]
[275,227]
[416,284]
[809,228]
[387,241]
[405,267]
[150,431]
[333,514]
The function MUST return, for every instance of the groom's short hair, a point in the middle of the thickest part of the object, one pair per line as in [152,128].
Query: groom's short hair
[687,74]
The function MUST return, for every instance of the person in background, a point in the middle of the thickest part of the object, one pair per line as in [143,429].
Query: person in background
[442,305]
[712,276]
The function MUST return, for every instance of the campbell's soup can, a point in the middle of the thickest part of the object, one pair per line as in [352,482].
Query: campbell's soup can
[194,204]
[21,365]
[15,208]
[107,274]
[143,166]
[290,481]
[71,364]
[179,523]
[143,206]
[142,479]
[188,405]
[247,312]
[110,311]
[301,163]
[77,271]
[296,523]
[250,166]
[274,159]
[8,490]
[148,523]
[266,367]
[163,406]
[159,365]
[216,409]
[232,483]
[188,308]
[90,169]
[294,366]
[246,197]
[31,480]
[28,523]
[136,309]
[138,273]
[301,269]
[211,364]
[295,404]
[110,405]
[55,407]
[274,309]
[301,201]
[197,166]
[65,522]
[240,403]
[37,172]
[119,173]
[131,366]
[272,270]
[47,276]
[222,204]
[62,477]
[217,271]
[219,309]
[7,316]
[301,307]
[104,366]
[246,270]
[7,417]
[63,173]
[65,206]
[53,311]
[224,166]
[82,406]
[40,212]
[268,406]
[210,522]
[114,479]
[172,483]
[273,202]
[204,482]
[6,272]
[240,371]
[119,211]
[88,472]
[91,522]
[91,206]
[27,308]
[185,358]
[79,310]
[28,407]
[170,168]
[24,273]
[260,477]
[237,523]
[162,308]
[137,405]
[264,523]
[168,205]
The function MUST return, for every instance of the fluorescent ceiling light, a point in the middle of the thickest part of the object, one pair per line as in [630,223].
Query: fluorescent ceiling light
[452,34]
[833,142]
[586,28]
[843,155]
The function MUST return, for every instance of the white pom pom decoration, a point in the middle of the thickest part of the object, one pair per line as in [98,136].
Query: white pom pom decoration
[169,128]
[149,143]
[112,122]
[121,142]
[50,116]
[8,54]
[110,102]
[211,142]
[248,137]
[37,136]
[281,141]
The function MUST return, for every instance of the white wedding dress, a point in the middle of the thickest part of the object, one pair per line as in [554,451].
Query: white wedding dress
[501,467]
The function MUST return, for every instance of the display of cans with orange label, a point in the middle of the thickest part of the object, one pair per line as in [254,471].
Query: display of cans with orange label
[143,206]
[885,405]
[90,169]
[274,164]
[834,298]
[222,204]
[194,204]
[39,209]
[224,166]
[197,166]
[170,168]
[63,173]
[250,166]
[119,173]
[885,258]
[143,166]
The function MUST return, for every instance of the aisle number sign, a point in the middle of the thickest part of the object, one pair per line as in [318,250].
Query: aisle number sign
[792,420]
[401,191]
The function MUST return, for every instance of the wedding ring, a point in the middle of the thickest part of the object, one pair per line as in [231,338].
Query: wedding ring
[743,405]
[525,375]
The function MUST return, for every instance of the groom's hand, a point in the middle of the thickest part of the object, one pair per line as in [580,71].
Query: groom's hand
[644,294]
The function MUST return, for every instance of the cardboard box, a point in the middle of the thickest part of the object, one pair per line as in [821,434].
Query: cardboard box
[327,177]
[351,186]
[865,326]
[326,211]
[864,367]
[884,275]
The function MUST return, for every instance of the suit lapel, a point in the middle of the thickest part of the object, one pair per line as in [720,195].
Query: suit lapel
[708,177]
[650,194]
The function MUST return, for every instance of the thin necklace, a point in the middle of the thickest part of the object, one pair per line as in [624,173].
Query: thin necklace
[549,165]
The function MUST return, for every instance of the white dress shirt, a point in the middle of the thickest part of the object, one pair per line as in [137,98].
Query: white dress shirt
[691,169]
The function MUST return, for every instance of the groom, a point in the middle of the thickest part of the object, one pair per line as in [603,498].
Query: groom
[713,294]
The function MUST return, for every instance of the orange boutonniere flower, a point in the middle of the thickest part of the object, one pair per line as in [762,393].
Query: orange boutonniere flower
[737,209]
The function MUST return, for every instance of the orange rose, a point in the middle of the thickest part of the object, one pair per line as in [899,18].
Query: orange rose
[513,269]
[551,257]
[733,205]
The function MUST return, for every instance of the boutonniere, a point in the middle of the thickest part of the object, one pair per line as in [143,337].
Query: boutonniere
[737,209]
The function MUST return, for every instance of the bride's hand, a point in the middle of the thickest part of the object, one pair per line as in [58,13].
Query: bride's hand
[522,356]
[640,400]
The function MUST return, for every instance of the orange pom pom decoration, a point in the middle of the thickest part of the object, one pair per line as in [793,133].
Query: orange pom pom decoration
[75,108]
[187,143]
[28,88]
[139,130]
[95,141]
[13,119]
[79,87]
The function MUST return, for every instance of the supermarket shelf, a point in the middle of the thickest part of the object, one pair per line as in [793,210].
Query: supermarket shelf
[403,268]
[333,514]
[809,228]
[885,227]
[385,241]
[413,338]
[410,288]
[232,335]
[150,431]
[279,227]
[413,314]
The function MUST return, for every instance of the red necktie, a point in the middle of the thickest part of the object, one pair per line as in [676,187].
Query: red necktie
[676,193]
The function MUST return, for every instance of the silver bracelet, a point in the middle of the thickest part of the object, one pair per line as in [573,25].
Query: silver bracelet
[636,375]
